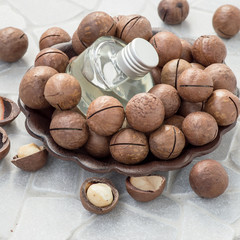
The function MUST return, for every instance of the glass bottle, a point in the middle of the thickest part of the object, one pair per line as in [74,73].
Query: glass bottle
[111,67]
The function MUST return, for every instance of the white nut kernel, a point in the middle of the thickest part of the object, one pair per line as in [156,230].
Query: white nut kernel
[147,183]
[100,194]
[27,150]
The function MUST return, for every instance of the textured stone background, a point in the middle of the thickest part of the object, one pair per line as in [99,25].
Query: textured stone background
[45,205]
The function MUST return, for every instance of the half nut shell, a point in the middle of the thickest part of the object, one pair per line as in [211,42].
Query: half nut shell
[33,162]
[91,207]
[4,143]
[9,110]
[145,188]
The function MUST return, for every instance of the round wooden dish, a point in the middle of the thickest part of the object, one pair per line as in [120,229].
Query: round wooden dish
[37,124]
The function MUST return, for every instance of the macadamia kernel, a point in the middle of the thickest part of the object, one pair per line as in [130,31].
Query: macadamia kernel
[27,150]
[100,194]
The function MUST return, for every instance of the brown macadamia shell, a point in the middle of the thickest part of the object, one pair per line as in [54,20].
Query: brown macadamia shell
[105,115]
[226,21]
[189,107]
[145,112]
[52,57]
[209,49]
[199,128]
[97,146]
[173,11]
[172,70]
[194,85]
[9,110]
[186,50]
[167,45]
[156,75]
[145,188]
[88,205]
[208,178]
[129,146]
[95,25]
[69,129]
[224,106]
[175,120]
[169,97]
[133,26]
[222,76]
[197,65]
[77,45]
[4,143]
[31,88]
[63,91]
[52,36]
[13,44]
[167,142]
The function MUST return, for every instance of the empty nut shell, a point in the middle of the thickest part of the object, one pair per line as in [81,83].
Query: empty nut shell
[52,36]
[105,115]
[167,142]
[91,207]
[95,25]
[9,110]
[173,11]
[69,129]
[133,26]
[224,106]
[208,178]
[145,188]
[31,88]
[200,128]
[129,146]
[145,112]
[52,57]
[4,143]
[209,49]
[33,162]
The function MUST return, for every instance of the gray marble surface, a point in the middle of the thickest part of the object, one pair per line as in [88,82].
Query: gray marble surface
[46,205]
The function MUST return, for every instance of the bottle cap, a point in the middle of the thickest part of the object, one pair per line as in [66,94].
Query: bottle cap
[137,58]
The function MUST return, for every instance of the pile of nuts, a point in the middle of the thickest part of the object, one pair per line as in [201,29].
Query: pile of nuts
[194,94]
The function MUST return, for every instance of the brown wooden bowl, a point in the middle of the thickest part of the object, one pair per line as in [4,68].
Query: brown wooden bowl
[37,124]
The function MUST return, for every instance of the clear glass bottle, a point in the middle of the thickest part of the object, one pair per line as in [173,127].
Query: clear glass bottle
[111,67]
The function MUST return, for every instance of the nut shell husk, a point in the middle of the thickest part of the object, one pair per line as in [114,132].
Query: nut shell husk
[52,57]
[133,26]
[141,195]
[4,143]
[88,205]
[95,25]
[52,36]
[11,111]
[208,178]
[33,162]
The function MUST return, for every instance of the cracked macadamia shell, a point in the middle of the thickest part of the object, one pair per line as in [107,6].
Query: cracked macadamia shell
[4,143]
[52,57]
[167,142]
[226,21]
[172,70]
[129,146]
[169,97]
[133,26]
[105,115]
[199,128]
[167,45]
[145,112]
[63,91]
[95,25]
[208,178]
[194,85]
[69,129]
[13,44]
[224,106]
[173,11]
[209,49]
[91,207]
[52,36]
[31,89]
[145,188]
[222,76]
